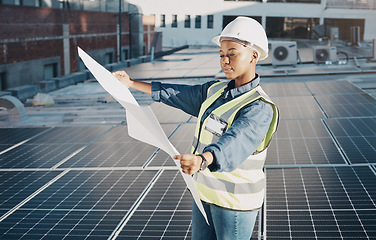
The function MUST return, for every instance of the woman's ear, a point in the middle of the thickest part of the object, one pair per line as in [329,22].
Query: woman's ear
[255,55]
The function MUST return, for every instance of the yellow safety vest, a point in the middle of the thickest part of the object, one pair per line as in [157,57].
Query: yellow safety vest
[244,188]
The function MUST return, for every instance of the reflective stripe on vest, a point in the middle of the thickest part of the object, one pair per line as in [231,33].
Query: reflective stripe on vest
[243,188]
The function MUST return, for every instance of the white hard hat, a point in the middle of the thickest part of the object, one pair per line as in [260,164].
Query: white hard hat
[246,30]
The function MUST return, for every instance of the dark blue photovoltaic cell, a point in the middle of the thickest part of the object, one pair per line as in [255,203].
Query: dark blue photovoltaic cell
[97,190]
[302,142]
[82,134]
[4,146]
[349,105]
[182,140]
[352,127]
[165,212]
[158,225]
[285,90]
[298,107]
[15,186]
[168,193]
[111,154]
[332,87]
[37,155]
[57,224]
[16,135]
[321,188]
[115,149]
[337,224]
[356,137]
[321,202]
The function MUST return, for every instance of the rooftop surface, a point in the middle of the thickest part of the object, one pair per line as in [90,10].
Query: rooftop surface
[70,170]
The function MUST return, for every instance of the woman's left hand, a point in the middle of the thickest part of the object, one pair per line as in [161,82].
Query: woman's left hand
[189,163]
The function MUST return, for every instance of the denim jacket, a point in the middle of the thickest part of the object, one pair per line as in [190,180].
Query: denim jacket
[242,138]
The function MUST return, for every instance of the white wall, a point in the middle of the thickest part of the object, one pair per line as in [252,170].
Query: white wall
[173,37]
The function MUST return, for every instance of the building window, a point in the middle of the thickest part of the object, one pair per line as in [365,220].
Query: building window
[125,54]
[198,21]
[187,22]
[38,3]
[174,23]
[296,1]
[3,81]
[108,58]
[291,28]
[210,21]
[163,20]
[50,71]
[250,0]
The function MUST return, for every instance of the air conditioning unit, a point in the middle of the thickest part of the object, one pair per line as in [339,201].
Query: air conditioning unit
[324,54]
[284,53]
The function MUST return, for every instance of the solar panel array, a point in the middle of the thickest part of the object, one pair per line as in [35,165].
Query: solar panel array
[95,182]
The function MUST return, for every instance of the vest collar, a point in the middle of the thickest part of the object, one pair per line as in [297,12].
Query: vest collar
[232,92]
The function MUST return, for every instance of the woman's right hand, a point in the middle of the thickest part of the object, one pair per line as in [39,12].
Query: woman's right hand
[123,78]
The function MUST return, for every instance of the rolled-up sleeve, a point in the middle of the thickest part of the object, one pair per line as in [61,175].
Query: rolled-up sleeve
[242,138]
[188,98]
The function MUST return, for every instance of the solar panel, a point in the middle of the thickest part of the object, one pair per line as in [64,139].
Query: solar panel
[82,134]
[337,224]
[115,149]
[302,142]
[5,146]
[15,186]
[81,204]
[348,105]
[181,139]
[174,115]
[356,137]
[286,90]
[333,87]
[122,154]
[352,127]
[16,135]
[320,173]
[165,213]
[42,155]
[321,202]
[59,224]
[298,107]
[98,190]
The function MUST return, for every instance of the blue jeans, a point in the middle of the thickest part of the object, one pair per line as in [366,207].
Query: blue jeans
[224,224]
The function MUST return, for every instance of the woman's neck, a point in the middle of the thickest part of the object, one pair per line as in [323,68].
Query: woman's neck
[241,80]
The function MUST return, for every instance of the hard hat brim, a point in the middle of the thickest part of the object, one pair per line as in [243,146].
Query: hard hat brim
[263,54]
[216,40]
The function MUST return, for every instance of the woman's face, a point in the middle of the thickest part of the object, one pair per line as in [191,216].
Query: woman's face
[236,60]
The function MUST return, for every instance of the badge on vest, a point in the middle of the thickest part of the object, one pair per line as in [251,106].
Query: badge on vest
[216,125]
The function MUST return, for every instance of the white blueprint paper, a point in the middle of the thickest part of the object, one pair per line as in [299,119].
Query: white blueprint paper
[141,121]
